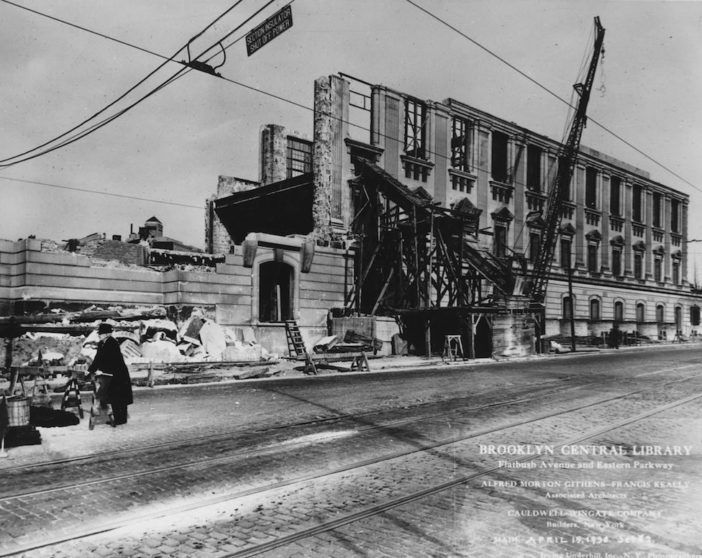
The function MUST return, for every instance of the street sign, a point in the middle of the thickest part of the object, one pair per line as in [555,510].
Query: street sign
[275,25]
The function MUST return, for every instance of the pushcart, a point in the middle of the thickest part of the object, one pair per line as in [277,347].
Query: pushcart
[100,409]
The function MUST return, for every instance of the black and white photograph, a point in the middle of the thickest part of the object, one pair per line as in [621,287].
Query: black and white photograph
[351,279]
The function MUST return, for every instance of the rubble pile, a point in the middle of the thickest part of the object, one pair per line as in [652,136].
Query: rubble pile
[145,336]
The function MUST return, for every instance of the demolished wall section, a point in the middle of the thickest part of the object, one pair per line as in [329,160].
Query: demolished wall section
[32,281]
[274,145]
[217,238]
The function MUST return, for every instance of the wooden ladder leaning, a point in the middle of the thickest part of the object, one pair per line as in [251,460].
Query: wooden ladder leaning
[296,346]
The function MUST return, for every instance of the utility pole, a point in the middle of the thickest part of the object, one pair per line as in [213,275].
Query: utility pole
[572,307]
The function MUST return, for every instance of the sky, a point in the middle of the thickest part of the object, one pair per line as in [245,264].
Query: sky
[163,157]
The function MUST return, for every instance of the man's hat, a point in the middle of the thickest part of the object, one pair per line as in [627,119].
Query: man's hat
[104,328]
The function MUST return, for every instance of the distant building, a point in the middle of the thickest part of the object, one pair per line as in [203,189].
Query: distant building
[152,233]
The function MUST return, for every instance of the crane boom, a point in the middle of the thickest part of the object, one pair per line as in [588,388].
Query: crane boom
[536,288]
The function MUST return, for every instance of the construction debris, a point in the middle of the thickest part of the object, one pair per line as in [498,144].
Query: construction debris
[145,335]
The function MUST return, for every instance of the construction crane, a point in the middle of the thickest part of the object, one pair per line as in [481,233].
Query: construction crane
[535,288]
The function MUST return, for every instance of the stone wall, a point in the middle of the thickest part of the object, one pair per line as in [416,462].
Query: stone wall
[630,298]
[36,281]
[274,145]
[217,239]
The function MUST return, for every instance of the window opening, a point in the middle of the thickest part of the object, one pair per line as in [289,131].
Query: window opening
[415,128]
[656,210]
[299,157]
[640,313]
[618,311]
[565,253]
[676,272]
[694,315]
[592,258]
[638,265]
[591,188]
[499,157]
[566,308]
[637,205]
[460,144]
[657,269]
[678,318]
[616,261]
[534,168]
[594,309]
[615,195]
[675,216]
[275,292]
[500,246]
[660,311]
[534,246]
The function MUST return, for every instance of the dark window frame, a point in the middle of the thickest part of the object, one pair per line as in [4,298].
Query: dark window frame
[415,128]
[298,158]
[618,311]
[638,264]
[534,174]
[660,314]
[657,198]
[500,241]
[616,261]
[675,215]
[592,254]
[637,204]
[595,310]
[566,253]
[567,309]
[499,151]
[615,196]
[461,135]
[591,188]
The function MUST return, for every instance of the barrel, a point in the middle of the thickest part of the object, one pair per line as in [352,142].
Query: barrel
[18,411]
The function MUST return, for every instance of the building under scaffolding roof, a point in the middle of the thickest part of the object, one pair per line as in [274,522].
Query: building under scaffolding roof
[441,207]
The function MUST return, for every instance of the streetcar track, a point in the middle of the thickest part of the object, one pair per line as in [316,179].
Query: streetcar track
[266,449]
[269,447]
[223,436]
[397,502]
[137,518]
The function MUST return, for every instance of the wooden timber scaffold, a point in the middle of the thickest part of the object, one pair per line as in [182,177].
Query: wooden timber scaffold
[415,258]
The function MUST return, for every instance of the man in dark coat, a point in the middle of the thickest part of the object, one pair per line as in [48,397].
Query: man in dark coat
[109,360]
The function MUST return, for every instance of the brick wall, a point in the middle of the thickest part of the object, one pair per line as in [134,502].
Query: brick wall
[120,251]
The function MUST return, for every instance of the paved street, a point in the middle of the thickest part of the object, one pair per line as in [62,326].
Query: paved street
[536,457]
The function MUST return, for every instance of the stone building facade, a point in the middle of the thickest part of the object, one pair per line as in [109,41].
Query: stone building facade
[623,235]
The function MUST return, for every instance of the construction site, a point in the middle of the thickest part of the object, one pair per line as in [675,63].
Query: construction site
[420,227]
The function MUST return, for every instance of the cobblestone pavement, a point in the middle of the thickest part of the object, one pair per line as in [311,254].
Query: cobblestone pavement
[465,520]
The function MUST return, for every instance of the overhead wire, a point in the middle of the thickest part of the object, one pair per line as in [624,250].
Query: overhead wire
[98,192]
[122,96]
[274,95]
[553,94]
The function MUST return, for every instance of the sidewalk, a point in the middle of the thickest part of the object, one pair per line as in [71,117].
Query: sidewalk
[149,422]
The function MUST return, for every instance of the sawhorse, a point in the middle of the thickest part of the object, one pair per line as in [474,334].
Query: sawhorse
[359,361]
